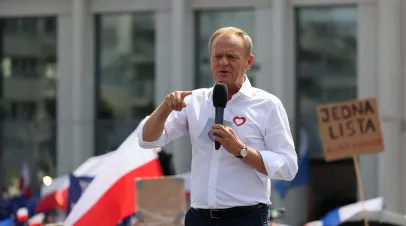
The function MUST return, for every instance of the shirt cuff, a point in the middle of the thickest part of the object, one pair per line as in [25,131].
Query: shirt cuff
[272,162]
[160,142]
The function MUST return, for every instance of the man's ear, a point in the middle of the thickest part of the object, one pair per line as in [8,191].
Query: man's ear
[250,60]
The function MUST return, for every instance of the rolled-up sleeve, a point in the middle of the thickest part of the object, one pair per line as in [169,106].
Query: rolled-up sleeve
[175,126]
[280,158]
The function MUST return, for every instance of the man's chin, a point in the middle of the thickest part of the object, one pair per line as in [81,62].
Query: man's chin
[222,80]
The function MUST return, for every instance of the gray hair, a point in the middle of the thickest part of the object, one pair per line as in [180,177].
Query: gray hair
[235,31]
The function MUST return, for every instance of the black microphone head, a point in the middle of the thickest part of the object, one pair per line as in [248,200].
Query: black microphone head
[220,95]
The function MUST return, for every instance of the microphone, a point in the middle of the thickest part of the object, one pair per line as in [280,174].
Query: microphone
[220,98]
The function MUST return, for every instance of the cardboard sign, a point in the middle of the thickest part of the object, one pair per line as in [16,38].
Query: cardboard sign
[350,128]
[160,201]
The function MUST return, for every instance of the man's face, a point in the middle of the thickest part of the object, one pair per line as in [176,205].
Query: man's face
[229,60]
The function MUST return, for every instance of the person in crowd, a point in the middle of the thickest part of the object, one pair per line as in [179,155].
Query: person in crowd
[166,161]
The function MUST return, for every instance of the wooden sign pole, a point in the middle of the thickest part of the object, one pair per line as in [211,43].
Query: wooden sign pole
[360,188]
[349,129]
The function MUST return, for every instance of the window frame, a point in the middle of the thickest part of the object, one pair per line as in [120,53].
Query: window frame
[366,60]
[104,6]
[29,107]
[128,6]
[327,3]
[97,70]
[296,58]
[35,8]
[229,5]
[196,32]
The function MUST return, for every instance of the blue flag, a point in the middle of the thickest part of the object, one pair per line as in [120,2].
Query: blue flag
[331,218]
[77,185]
[10,205]
[7,222]
[5,210]
[31,204]
[128,221]
[303,175]
[302,178]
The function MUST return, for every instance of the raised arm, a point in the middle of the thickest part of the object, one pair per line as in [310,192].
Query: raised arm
[166,123]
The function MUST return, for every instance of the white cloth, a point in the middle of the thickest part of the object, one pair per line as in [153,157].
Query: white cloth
[219,179]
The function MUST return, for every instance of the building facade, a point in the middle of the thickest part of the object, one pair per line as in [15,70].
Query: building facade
[78,75]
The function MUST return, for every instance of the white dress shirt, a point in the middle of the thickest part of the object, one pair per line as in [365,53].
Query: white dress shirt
[219,179]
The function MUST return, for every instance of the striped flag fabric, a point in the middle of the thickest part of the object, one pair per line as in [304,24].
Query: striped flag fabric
[337,216]
[25,182]
[56,194]
[110,197]
[77,185]
[37,220]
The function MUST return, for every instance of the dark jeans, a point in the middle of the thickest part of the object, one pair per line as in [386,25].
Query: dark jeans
[259,217]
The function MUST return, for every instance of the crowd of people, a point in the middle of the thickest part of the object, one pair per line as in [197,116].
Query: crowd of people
[17,206]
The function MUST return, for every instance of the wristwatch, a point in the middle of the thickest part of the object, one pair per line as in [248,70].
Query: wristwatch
[243,152]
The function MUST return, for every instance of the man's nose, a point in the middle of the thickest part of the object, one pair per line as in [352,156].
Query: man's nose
[224,61]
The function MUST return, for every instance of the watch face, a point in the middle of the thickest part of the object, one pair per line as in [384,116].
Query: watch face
[244,152]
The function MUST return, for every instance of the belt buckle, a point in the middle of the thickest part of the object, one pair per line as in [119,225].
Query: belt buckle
[214,215]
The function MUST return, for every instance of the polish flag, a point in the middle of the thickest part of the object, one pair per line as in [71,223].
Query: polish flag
[22,214]
[24,183]
[110,197]
[37,220]
[51,194]
[56,194]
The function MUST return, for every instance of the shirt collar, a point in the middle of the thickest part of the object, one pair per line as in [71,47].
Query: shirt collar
[246,90]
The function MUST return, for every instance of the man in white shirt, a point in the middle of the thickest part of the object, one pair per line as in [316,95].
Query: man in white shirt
[229,186]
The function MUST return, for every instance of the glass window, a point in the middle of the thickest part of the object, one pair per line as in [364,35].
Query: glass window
[326,66]
[28,99]
[207,22]
[125,75]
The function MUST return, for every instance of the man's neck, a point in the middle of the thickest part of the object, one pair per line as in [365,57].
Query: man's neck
[230,94]
[235,89]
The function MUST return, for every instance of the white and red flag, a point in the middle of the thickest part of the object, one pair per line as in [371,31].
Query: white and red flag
[110,197]
[24,183]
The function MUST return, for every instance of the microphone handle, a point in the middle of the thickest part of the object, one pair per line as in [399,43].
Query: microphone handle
[218,120]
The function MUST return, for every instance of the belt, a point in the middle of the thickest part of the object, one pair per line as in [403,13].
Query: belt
[230,212]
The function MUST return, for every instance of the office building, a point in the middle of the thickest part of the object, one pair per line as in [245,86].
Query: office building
[78,75]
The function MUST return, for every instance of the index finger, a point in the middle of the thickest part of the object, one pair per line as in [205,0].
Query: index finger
[184,94]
